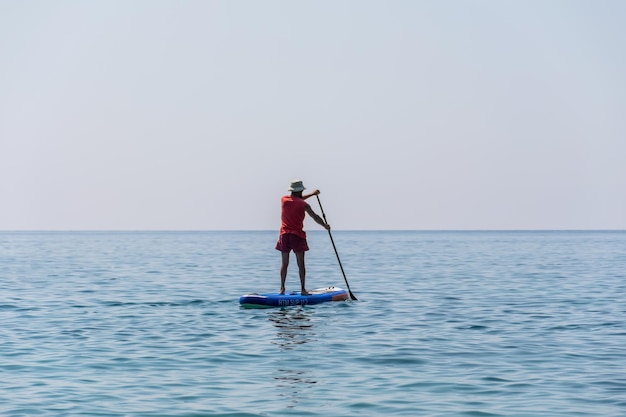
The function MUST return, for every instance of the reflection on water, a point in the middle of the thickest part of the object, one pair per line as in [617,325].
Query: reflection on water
[294,329]
[293,326]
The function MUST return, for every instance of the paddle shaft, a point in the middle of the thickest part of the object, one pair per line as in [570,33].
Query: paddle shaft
[335,248]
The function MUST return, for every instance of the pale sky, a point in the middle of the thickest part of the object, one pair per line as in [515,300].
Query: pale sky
[196,115]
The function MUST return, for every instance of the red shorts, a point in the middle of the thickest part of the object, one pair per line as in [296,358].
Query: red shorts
[290,242]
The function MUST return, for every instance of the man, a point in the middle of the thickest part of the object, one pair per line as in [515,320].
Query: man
[292,234]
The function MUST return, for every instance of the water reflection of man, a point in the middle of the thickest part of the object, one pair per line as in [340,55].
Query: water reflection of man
[294,328]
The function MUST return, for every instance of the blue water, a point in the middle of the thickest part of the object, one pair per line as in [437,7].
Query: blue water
[447,324]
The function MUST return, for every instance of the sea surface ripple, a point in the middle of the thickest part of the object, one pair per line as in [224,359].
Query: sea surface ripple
[447,324]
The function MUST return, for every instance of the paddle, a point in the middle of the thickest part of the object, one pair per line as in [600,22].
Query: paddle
[352,297]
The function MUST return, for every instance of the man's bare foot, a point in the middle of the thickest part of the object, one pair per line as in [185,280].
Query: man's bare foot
[305,292]
[281,292]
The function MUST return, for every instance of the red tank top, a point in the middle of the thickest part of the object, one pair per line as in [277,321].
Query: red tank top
[292,216]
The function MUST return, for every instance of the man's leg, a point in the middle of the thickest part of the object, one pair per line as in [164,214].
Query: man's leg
[302,271]
[283,271]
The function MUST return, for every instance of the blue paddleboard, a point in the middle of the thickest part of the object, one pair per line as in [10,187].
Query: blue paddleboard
[319,295]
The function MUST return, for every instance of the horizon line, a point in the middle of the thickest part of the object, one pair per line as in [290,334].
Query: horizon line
[308,231]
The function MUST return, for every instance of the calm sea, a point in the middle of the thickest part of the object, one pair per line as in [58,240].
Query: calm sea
[447,324]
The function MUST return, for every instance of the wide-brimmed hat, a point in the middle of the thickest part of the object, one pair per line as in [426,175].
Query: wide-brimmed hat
[296,186]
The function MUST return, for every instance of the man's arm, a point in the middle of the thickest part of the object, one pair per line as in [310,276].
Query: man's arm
[317,218]
[315,192]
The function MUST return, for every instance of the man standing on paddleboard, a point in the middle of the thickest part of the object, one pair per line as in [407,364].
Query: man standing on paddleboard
[292,234]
